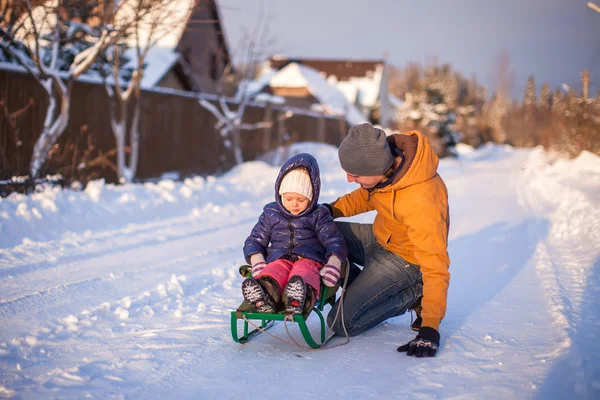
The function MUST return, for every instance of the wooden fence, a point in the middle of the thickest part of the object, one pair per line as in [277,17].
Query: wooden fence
[176,132]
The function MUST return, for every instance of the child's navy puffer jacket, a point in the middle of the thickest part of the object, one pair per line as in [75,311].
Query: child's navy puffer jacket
[310,234]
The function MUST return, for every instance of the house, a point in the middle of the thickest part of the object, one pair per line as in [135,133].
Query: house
[204,51]
[301,86]
[193,54]
[362,82]
[188,48]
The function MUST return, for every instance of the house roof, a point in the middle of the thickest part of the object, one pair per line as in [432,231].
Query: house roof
[359,80]
[163,55]
[296,75]
[342,69]
[163,38]
[214,10]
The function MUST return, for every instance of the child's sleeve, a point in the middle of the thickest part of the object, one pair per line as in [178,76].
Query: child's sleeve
[329,235]
[259,238]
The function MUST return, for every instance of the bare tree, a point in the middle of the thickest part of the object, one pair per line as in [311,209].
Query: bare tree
[496,111]
[593,6]
[256,47]
[46,51]
[146,23]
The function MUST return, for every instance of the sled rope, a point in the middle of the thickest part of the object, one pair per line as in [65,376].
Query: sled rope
[264,330]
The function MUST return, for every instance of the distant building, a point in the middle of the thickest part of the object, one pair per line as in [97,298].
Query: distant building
[301,86]
[192,55]
[203,49]
[363,83]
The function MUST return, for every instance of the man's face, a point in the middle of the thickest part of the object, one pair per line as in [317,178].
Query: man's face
[366,182]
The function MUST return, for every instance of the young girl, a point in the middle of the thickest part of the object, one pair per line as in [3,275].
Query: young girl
[291,242]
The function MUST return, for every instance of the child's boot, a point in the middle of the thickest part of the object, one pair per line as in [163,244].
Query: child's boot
[271,286]
[294,295]
[254,294]
[310,301]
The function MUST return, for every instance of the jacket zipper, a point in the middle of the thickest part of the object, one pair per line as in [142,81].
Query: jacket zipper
[291,237]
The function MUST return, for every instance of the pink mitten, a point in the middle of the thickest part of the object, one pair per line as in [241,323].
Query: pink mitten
[330,273]
[258,263]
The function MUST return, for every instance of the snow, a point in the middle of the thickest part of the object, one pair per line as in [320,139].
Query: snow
[250,88]
[364,89]
[159,61]
[296,75]
[162,38]
[126,291]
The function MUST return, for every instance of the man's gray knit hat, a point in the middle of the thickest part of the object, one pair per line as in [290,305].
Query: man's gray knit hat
[365,151]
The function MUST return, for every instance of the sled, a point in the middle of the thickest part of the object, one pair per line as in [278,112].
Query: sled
[247,311]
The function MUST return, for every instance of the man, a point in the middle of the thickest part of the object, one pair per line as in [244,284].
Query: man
[404,252]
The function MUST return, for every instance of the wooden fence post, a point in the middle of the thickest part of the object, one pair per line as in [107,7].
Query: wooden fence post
[321,128]
[343,129]
[268,130]
[280,128]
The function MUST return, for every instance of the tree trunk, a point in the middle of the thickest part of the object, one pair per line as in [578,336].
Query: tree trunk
[53,127]
[236,142]
[134,140]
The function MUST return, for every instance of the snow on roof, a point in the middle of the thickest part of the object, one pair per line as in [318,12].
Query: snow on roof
[163,38]
[172,16]
[251,88]
[364,90]
[159,61]
[295,75]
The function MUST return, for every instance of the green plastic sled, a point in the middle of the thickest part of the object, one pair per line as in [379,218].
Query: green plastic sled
[248,311]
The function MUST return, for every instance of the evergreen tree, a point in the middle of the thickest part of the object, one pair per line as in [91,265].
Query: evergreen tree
[557,101]
[529,98]
[545,99]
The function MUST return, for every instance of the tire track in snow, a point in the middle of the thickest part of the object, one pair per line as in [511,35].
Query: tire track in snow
[49,254]
[110,284]
[572,243]
[567,258]
[171,317]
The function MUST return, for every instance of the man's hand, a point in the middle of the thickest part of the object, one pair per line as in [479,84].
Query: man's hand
[424,345]
[329,208]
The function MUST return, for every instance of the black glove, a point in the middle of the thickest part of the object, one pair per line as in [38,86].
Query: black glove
[424,345]
[329,208]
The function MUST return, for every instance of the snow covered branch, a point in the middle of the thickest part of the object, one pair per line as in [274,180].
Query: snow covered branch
[145,23]
[229,122]
[55,51]
[593,6]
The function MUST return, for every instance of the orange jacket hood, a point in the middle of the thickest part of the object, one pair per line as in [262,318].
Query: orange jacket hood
[420,161]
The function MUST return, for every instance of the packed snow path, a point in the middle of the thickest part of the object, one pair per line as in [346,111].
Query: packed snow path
[125,292]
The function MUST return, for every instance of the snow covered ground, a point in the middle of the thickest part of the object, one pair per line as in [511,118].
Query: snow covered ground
[125,292]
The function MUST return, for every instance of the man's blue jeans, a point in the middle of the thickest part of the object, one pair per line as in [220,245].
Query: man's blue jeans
[386,287]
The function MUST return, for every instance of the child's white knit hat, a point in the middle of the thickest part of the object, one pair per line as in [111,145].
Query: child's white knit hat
[297,181]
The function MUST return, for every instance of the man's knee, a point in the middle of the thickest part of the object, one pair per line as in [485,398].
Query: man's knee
[339,326]
[341,322]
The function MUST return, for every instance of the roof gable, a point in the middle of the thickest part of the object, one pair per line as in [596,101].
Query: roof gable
[341,69]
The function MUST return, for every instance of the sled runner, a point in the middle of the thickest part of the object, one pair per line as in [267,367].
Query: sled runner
[247,311]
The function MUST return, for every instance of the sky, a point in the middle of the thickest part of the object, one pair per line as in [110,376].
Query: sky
[126,291]
[553,40]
